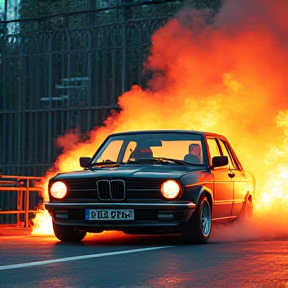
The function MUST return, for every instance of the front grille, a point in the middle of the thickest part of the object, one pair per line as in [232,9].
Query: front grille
[114,190]
[118,190]
[103,189]
[144,189]
[111,190]
[83,184]
[81,188]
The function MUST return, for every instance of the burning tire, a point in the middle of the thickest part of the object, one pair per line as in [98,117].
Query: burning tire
[198,228]
[67,233]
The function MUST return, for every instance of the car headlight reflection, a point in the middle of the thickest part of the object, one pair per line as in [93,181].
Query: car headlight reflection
[170,189]
[58,190]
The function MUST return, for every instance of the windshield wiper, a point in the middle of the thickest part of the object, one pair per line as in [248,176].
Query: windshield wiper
[177,161]
[195,164]
[143,160]
[157,160]
[105,163]
[169,160]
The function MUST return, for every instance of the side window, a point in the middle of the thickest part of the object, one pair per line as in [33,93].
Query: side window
[213,148]
[226,152]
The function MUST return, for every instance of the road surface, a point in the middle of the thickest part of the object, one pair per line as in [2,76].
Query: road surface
[113,259]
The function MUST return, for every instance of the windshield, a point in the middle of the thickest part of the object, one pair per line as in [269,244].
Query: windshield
[141,147]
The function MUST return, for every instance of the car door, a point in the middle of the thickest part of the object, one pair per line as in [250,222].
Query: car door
[223,184]
[237,176]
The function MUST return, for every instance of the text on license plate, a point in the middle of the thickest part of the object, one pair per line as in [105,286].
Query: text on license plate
[109,214]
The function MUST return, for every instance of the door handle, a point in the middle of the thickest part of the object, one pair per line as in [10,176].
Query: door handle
[231,174]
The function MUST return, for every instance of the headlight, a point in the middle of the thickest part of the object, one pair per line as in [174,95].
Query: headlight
[170,189]
[58,190]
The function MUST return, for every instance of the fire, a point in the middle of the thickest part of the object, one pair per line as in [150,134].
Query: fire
[229,77]
[42,223]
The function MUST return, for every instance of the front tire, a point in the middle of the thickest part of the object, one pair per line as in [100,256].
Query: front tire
[67,233]
[198,228]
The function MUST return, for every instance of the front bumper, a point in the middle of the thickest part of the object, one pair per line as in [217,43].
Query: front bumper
[148,217]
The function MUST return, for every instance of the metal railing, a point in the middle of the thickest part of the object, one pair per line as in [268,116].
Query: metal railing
[73,84]
[20,199]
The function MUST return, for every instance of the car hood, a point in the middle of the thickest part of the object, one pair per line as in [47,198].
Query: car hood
[132,171]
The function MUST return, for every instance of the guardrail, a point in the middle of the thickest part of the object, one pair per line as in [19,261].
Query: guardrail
[20,199]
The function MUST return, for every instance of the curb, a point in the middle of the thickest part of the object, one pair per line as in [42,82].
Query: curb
[15,231]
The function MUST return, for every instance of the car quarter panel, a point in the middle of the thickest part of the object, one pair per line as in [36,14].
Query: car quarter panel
[244,186]
[197,183]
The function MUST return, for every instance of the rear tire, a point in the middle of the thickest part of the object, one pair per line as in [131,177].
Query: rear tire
[198,228]
[67,233]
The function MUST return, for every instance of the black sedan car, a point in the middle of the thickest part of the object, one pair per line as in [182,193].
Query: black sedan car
[158,181]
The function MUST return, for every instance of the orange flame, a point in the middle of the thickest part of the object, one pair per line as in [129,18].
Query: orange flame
[229,77]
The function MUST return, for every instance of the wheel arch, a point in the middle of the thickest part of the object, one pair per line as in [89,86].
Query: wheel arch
[249,196]
[195,191]
[247,206]
[197,230]
[205,191]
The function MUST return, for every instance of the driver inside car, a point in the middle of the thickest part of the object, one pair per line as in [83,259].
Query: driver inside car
[142,152]
[194,155]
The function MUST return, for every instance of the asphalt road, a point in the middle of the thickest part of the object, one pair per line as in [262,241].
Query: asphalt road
[112,259]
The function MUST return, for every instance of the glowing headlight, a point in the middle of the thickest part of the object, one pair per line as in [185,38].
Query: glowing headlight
[58,190]
[170,189]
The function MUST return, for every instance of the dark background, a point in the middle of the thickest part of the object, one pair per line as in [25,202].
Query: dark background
[63,65]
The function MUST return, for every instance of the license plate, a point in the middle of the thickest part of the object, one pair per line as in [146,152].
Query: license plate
[109,214]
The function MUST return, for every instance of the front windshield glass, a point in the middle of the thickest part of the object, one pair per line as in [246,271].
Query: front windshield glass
[140,147]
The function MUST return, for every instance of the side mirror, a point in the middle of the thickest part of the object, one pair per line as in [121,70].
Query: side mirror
[219,161]
[85,162]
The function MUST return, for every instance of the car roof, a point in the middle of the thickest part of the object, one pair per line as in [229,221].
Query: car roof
[167,131]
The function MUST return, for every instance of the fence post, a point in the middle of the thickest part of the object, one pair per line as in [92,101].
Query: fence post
[27,203]
[19,205]
[123,58]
